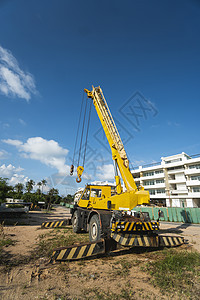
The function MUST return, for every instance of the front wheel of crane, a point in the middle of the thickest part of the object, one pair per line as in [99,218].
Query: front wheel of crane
[76,222]
[94,229]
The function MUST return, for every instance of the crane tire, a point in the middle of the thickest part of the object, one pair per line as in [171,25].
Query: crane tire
[76,222]
[94,228]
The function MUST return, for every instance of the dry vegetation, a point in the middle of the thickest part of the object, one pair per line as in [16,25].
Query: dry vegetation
[125,274]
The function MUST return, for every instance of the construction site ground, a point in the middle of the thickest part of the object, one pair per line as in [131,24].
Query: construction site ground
[26,274]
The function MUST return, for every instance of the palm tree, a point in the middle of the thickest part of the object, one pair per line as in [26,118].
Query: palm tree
[44,182]
[29,185]
[19,188]
[39,184]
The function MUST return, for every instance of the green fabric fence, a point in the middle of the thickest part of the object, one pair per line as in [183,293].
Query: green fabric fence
[173,214]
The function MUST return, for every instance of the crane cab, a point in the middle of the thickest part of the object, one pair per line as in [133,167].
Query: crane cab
[96,196]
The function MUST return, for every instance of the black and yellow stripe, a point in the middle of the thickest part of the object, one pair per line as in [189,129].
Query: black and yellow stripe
[54,224]
[78,251]
[171,241]
[133,240]
[134,226]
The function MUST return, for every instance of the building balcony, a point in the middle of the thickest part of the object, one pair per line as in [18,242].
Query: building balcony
[178,180]
[136,179]
[194,195]
[176,171]
[192,171]
[179,192]
[193,183]
[158,196]
[155,176]
[174,164]
[147,187]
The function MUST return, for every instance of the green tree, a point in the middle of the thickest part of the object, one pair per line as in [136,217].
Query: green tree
[19,187]
[39,185]
[52,197]
[29,185]
[44,183]
[4,189]
[68,199]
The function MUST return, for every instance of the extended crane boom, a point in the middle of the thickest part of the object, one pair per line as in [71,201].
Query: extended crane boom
[118,152]
[132,196]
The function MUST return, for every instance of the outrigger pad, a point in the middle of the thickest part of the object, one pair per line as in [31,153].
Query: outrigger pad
[135,240]
[170,241]
[58,223]
[78,251]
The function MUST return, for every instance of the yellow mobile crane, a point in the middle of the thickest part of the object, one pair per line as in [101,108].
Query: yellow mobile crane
[105,211]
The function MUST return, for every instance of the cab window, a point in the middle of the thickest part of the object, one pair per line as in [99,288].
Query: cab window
[96,193]
[86,194]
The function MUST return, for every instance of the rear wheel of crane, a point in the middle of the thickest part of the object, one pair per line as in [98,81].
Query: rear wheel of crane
[94,229]
[76,222]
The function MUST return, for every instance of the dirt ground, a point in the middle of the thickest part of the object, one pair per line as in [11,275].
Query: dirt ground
[106,277]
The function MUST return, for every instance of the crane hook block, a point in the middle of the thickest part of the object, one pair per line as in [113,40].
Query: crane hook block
[72,170]
[80,170]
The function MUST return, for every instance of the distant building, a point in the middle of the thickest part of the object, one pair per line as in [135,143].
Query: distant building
[11,200]
[173,182]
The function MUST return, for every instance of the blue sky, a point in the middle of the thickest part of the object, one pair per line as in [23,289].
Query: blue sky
[142,51]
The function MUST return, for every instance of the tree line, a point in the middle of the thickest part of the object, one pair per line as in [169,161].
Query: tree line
[27,194]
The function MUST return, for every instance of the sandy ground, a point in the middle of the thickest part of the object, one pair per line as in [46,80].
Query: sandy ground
[79,279]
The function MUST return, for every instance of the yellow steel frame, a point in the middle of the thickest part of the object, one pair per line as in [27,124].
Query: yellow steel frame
[122,200]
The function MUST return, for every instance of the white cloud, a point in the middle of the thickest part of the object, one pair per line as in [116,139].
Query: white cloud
[105,172]
[8,171]
[13,80]
[13,174]
[12,142]
[18,178]
[22,122]
[47,152]
[3,154]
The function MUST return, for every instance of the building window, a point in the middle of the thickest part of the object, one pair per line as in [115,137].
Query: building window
[160,181]
[173,160]
[152,192]
[196,189]
[195,166]
[148,174]
[175,168]
[161,191]
[158,171]
[149,182]
[195,178]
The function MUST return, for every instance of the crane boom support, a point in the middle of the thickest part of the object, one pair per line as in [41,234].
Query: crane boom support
[118,152]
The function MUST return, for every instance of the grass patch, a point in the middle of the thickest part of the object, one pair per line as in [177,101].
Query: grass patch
[97,294]
[5,242]
[57,238]
[177,271]
[122,267]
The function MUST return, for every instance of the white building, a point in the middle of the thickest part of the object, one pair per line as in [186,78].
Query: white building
[173,182]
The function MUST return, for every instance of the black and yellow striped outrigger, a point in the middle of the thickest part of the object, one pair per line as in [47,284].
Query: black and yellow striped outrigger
[58,223]
[142,240]
[127,234]
[102,246]
[78,251]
